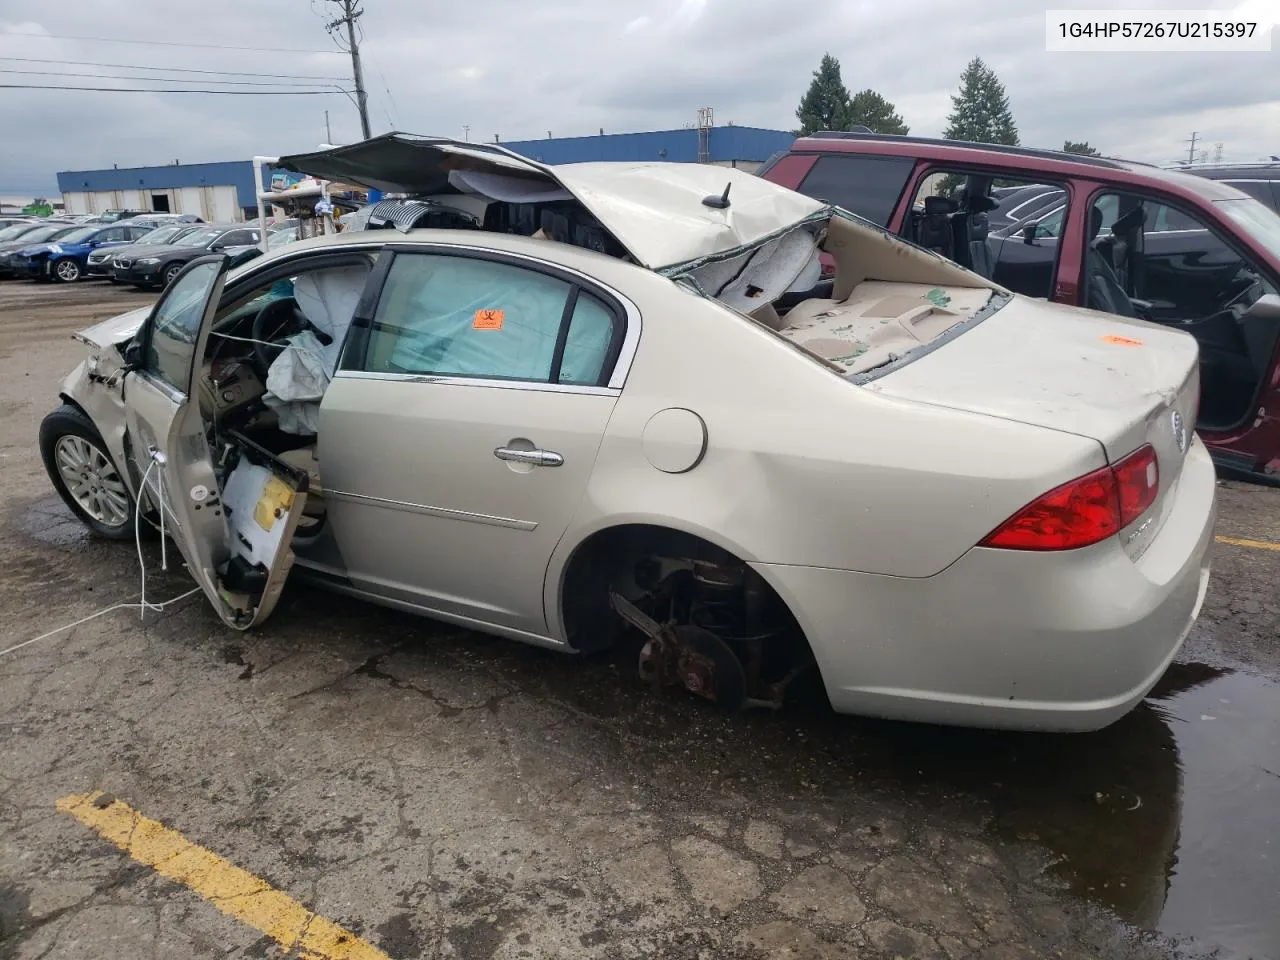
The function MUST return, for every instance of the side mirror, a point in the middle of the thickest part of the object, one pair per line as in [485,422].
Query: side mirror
[218,247]
[1029,233]
[1266,306]
[133,354]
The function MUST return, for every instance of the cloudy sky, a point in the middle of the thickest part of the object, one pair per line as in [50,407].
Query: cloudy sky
[574,66]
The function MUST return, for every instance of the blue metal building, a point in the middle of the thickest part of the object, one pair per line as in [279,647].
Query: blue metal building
[729,146]
[212,191]
[226,191]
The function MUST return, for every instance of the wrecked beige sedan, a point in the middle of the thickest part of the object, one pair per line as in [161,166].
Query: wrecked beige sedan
[622,395]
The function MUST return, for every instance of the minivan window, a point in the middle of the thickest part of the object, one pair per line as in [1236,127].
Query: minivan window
[866,185]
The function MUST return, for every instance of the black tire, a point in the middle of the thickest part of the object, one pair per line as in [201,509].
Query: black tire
[69,421]
[66,271]
[170,273]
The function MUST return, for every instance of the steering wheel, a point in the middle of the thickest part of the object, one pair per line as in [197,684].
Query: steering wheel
[277,320]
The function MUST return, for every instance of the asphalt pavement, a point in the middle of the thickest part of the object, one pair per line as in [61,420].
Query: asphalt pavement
[351,782]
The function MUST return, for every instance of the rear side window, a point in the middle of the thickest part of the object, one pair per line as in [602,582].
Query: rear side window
[463,317]
[867,186]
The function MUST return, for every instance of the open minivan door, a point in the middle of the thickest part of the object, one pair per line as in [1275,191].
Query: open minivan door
[233,517]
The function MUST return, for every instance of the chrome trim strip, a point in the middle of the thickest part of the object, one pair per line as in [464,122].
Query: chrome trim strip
[442,512]
[170,391]
[478,382]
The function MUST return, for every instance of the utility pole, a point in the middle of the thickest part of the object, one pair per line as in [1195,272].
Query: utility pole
[350,14]
[1191,154]
[466,131]
[328,137]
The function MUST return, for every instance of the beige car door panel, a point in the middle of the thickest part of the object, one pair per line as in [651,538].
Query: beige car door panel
[458,438]
[235,536]
[458,496]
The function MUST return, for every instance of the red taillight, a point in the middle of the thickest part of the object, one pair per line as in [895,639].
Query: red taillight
[1086,510]
[1138,482]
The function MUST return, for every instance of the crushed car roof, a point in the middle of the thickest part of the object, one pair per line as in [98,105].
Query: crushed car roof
[655,210]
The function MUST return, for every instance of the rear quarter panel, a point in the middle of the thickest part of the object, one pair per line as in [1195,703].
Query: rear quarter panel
[803,467]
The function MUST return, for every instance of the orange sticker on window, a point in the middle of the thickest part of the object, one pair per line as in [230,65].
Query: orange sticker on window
[1120,341]
[488,319]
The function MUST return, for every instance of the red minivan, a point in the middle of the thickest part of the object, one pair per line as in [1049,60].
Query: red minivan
[1123,237]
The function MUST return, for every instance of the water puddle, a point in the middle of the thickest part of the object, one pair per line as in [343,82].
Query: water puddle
[1169,817]
[1224,866]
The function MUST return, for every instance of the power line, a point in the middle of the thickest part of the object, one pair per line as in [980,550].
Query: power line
[134,66]
[162,43]
[229,93]
[108,76]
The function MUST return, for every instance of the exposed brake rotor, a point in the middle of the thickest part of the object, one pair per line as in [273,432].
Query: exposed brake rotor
[699,661]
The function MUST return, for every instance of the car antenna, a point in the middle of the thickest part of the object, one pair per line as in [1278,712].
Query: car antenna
[721,202]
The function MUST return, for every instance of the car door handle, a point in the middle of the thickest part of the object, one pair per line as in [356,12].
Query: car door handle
[538,458]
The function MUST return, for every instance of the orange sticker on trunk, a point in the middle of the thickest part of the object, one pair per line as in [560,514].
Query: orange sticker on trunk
[1121,341]
[488,319]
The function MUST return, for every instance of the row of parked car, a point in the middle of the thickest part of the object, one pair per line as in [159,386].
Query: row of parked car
[1196,249]
[145,251]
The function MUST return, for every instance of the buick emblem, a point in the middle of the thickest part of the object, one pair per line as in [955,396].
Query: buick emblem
[1179,431]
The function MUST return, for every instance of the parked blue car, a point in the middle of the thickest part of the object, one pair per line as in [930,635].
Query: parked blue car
[66,258]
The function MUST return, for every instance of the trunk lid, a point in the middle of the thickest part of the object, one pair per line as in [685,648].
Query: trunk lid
[1123,383]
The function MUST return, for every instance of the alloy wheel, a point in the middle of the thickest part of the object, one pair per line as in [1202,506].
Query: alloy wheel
[92,480]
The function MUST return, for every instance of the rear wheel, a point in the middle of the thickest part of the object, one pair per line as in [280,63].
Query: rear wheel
[66,271]
[76,459]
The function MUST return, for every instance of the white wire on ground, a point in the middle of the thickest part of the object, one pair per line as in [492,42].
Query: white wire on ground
[94,616]
[142,605]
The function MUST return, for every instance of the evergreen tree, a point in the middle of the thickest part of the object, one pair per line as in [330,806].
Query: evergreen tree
[1080,148]
[868,108]
[825,106]
[980,111]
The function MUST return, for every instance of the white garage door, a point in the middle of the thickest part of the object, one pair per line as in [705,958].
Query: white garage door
[191,201]
[76,202]
[226,205]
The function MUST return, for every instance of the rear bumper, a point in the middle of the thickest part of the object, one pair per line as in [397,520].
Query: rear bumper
[1065,641]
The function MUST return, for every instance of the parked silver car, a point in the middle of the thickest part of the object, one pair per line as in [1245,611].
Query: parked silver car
[959,505]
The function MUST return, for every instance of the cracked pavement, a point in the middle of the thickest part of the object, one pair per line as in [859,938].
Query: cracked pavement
[444,794]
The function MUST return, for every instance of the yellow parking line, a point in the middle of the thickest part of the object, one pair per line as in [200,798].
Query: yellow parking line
[1252,544]
[235,892]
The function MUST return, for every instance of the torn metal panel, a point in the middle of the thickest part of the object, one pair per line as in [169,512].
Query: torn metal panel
[654,210]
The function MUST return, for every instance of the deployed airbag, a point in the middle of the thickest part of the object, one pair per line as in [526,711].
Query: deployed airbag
[298,378]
